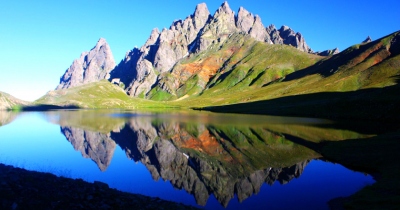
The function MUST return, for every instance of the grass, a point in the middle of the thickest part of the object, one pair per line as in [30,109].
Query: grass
[99,95]
[234,63]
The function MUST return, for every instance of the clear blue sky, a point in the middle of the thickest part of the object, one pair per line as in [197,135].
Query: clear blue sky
[40,39]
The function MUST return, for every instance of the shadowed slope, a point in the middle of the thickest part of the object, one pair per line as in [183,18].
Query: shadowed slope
[360,82]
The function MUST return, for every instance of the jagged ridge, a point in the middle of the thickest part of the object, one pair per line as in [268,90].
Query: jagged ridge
[92,66]
[142,69]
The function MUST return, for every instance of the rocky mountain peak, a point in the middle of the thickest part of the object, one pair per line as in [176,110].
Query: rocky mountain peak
[328,52]
[155,33]
[92,66]
[224,8]
[221,24]
[367,40]
[200,16]
[200,31]
[290,37]
[286,31]
[201,11]
[224,15]
[245,20]
[101,42]
[259,32]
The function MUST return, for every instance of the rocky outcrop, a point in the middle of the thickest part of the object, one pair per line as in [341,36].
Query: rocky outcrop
[96,146]
[274,34]
[367,40]
[149,66]
[252,25]
[123,72]
[294,39]
[328,52]
[160,52]
[220,26]
[92,66]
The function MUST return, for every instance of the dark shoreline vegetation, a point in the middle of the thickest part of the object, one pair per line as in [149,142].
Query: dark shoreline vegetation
[379,104]
[23,189]
[42,107]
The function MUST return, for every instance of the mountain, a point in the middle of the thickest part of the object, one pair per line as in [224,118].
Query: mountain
[328,52]
[360,82]
[92,66]
[205,42]
[212,60]
[7,101]
[201,159]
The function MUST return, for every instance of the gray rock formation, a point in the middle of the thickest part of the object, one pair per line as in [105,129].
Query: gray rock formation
[96,146]
[294,39]
[328,52]
[245,20]
[221,24]
[123,71]
[148,67]
[367,40]
[160,52]
[92,66]
[274,34]
[252,25]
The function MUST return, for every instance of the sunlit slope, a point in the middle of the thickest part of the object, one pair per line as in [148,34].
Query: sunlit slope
[7,101]
[359,81]
[99,121]
[237,63]
[100,94]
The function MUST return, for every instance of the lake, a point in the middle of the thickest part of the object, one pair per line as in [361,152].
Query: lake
[208,160]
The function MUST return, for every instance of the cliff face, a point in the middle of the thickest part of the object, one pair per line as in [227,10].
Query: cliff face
[92,66]
[144,68]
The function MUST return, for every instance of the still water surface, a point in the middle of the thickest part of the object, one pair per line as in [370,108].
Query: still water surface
[212,161]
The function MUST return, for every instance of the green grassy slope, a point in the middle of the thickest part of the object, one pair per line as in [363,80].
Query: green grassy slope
[237,63]
[360,82]
[100,94]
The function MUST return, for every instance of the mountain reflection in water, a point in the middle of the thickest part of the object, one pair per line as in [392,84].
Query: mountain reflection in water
[207,155]
[203,159]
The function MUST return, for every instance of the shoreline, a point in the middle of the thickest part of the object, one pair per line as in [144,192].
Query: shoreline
[24,189]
